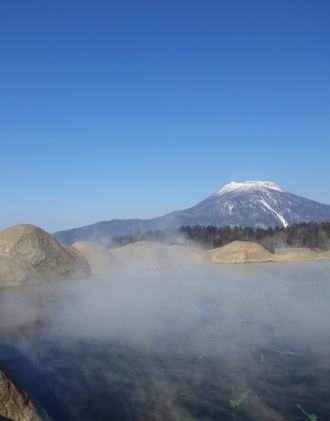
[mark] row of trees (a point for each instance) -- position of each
(313, 235)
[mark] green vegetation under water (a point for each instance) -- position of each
(170, 384)
(240, 400)
(287, 351)
(312, 417)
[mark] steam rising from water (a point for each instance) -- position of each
(175, 344)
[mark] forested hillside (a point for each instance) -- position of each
(313, 235)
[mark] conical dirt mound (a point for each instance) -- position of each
(34, 247)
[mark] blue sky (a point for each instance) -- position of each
(133, 109)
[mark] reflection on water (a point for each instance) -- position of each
(175, 344)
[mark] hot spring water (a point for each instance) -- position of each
(220, 342)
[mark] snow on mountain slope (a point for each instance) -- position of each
(280, 217)
(248, 185)
(258, 204)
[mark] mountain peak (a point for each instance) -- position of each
(257, 204)
(248, 185)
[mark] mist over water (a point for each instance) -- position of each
(175, 344)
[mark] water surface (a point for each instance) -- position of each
(175, 344)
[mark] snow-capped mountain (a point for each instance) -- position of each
(258, 204)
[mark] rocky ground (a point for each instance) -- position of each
(29, 255)
(16, 404)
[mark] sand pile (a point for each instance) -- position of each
(294, 254)
(143, 254)
(188, 255)
(15, 272)
(99, 258)
(325, 255)
(30, 255)
(240, 252)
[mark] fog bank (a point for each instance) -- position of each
(175, 344)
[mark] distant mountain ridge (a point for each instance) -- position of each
(258, 204)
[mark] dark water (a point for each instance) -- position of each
(175, 345)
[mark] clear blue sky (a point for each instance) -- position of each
(136, 108)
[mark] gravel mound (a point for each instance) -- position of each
(294, 254)
(143, 254)
(187, 254)
(241, 252)
(30, 246)
(99, 258)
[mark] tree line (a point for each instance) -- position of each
(312, 235)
